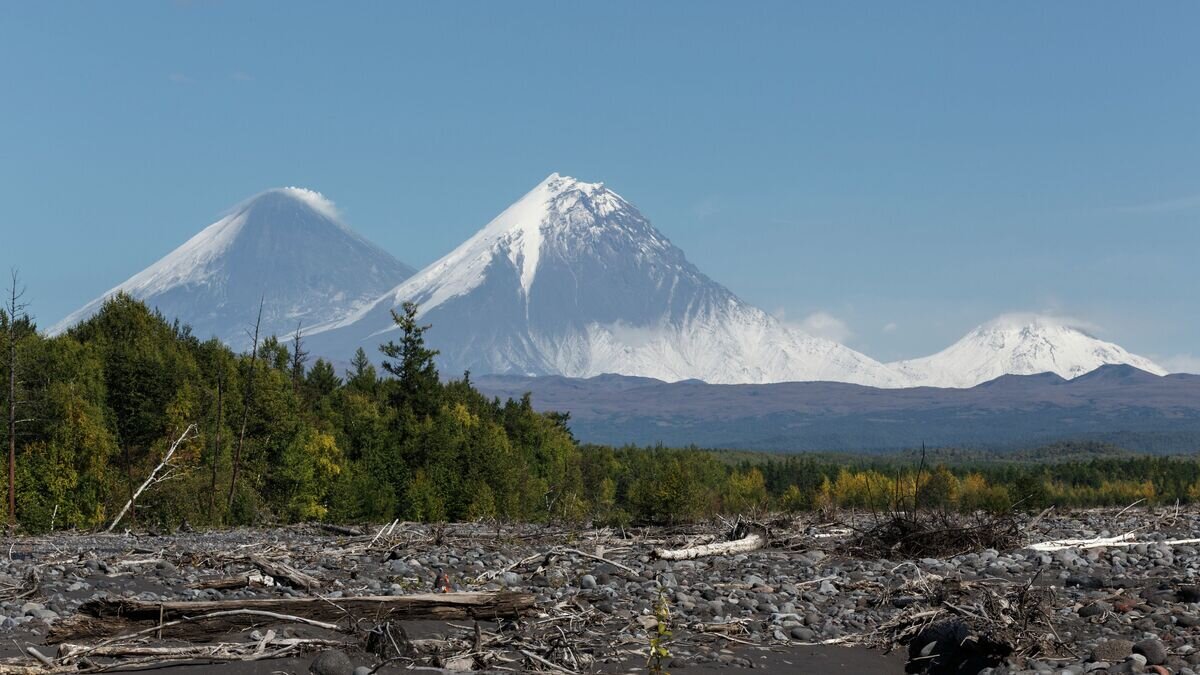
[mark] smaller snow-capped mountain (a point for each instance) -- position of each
(1018, 344)
(573, 280)
(285, 246)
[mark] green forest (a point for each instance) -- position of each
(280, 438)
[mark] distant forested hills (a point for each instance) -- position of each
(1118, 404)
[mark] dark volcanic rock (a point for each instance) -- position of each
(1154, 651)
(331, 662)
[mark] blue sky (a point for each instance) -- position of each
(903, 171)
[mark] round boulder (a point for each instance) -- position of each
(331, 662)
(1154, 651)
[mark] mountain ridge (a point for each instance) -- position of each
(569, 279)
(572, 279)
(1019, 344)
(1147, 412)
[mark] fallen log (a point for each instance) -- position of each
(105, 617)
(235, 581)
(341, 529)
(68, 651)
(287, 573)
(1121, 540)
(750, 542)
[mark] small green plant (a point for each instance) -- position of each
(660, 635)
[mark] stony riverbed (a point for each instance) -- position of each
(1126, 607)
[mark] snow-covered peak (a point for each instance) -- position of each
(572, 279)
(557, 202)
(1028, 321)
(313, 199)
(285, 245)
(1020, 344)
(560, 211)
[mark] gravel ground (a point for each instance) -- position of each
(808, 609)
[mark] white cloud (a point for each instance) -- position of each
(631, 335)
(821, 324)
(319, 202)
(890, 327)
(1181, 363)
(242, 76)
(1021, 319)
(180, 78)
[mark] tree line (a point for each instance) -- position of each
(279, 439)
(93, 411)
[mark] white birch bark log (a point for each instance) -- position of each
(750, 542)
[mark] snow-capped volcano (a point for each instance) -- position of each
(286, 246)
(573, 280)
(1018, 344)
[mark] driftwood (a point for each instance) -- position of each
(1106, 542)
(750, 542)
(110, 616)
(547, 556)
(235, 581)
(341, 529)
(285, 572)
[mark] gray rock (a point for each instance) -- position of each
(331, 662)
(813, 557)
(1154, 651)
(555, 578)
(587, 582)
(803, 634)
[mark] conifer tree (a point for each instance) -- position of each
(417, 386)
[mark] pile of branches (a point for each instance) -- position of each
(552, 644)
(933, 533)
(956, 626)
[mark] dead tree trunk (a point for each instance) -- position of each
(237, 455)
(111, 616)
(299, 359)
(154, 477)
(284, 572)
(14, 306)
(750, 542)
(216, 456)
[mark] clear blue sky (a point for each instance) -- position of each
(910, 169)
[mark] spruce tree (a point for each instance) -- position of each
(416, 387)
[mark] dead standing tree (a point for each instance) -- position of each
(216, 453)
(299, 360)
(237, 455)
(13, 307)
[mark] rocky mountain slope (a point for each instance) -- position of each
(573, 280)
(285, 246)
